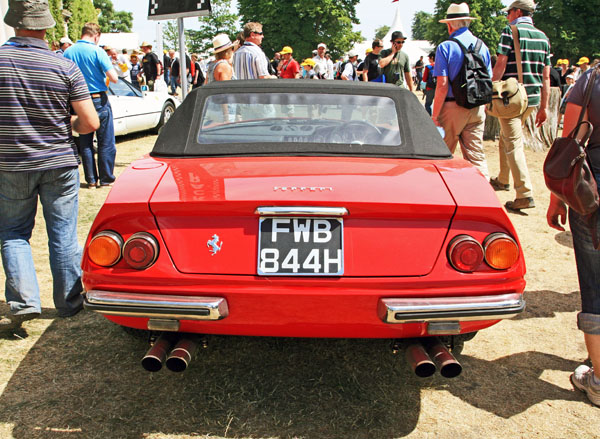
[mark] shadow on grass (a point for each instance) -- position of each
(83, 376)
(544, 303)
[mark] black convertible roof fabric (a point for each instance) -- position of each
(420, 138)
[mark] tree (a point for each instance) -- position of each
(57, 32)
(303, 25)
(381, 32)
(111, 21)
(83, 11)
(421, 21)
(563, 22)
(220, 21)
(487, 27)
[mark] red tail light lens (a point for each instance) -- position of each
(140, 250)
(465, 253)
(501, 251)
(105, 248)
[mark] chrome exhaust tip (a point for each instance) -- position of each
(155, 357)
(419, 360)
(181, 355)
(446, 362)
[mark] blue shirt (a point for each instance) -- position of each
(449, 56)
(93, 63)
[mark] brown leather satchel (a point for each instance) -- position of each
(566, 169)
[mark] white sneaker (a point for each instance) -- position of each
(583, 379)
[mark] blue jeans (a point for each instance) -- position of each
(587, 259)
(107, 150)
(58, 191)
(173, 83)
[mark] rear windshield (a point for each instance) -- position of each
(307, 118)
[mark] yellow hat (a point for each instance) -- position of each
(369, 50)
(286, 49)
(146, 44)
(308, 62)
(583, 60)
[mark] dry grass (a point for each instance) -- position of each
(81, 378)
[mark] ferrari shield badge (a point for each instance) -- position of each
(214, 245)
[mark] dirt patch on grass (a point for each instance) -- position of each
(81, 377)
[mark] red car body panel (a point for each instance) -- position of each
(402, 216)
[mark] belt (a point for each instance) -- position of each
(449, 100)
(97, 95)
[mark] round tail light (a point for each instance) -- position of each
(105, 248)
(501, 251)
(140, 250)
(465, 253)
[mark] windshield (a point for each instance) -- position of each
(306, 118)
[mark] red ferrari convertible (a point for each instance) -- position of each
(303, 209)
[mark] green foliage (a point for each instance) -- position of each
(57, 32)
(83, 12)
(571, 27)
(488, 26)
(421, 21)
(381, 32)
(111, 21)
(220, 21)
(170, 35)
(303, 25)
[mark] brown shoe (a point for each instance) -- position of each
(14, 321)
(499, 186)
(520, 203)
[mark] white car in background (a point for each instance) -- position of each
(134, 110)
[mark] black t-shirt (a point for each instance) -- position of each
(167, 61)
(554, 78)
(175, 65)
(372, 66)
(150, 66)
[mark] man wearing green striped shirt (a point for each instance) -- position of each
(535, 59)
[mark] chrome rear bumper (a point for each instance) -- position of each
(156, 305)
(435, 309)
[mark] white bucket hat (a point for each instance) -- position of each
(221, 42)
(457, 12)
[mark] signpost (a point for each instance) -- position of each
(179, 9)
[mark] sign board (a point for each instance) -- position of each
(170, 9)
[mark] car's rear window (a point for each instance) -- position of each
(307, 118)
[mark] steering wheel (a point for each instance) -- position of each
(356, 132)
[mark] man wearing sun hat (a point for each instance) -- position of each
(395, 64)
(321, 62)
(535, 60)
(461, 125)
(151, 66)
(289, 67)
(39, 162)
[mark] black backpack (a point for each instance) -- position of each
(472, 86)
(340, 70)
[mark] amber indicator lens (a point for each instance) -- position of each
(501, 251)
(465, 253)
(105, 248)
(140, 250)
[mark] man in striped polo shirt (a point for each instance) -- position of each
(38, 159)
(535, 57)
(249, 61)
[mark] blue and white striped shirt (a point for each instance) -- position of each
(36, 89)
(250, 62)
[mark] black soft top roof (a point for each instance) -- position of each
(420, 138)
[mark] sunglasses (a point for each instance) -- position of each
(259, 33)
(399, 42)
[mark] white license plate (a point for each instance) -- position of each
(300, 246)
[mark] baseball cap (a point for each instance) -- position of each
(322, 45)
(352, 53)
(286, 49)
(308, 62)
(65, 40)
(583, 60)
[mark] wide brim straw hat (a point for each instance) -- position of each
(29, 14)
(221, 42)
(457, 12)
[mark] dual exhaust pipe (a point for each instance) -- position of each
(171, 349)
(427, 355)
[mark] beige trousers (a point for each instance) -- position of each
(512, 154)
(465, 126)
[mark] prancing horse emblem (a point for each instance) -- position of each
(213, 244)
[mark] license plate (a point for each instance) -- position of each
(300, 246)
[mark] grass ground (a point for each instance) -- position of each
(81, 378)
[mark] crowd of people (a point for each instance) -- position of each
(44, 165)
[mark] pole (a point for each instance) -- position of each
(182, 61)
